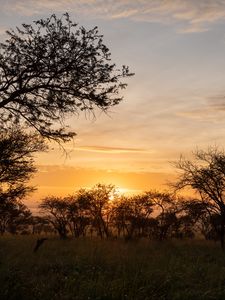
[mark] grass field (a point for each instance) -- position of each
(92, 269)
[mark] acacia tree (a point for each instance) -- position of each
(16, 168)
(15, 217)
(77, 215)
(131, 215)
(166, 208)
(17, 162)
(53, 69)
(41, 225)
(197, 216)
(55, 210)
(206, 175)
(96, 201)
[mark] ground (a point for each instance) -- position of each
(93, 269)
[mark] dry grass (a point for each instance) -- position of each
(92, 269)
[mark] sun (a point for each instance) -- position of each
(119, 191)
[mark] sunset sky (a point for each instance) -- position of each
(174, 103)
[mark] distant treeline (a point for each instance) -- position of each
(103, 212)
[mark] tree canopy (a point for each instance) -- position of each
(17, 162)
(205, 174)
(54, 69)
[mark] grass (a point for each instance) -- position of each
(93, 269)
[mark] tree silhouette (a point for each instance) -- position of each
(131, 215)
(86, 208)
(15, 217)
(16, 162)
(52, 70)
(206, 175)
(97, 204)
(78, 215)
(166, 208)
(155, 215)
(56, 212)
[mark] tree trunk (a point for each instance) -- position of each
(222, 231)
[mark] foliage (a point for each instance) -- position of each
(206, 175)
(97, 201)
(155, 215)
(15, 217)
(131, 215)
(54, 69)
(56, 209)
(101, 211)
(16, 167)
(74, 213)
(41, 225)
(17, 162)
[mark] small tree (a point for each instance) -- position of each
(41, 225)
(78, 216)
(15, 217)
(206, 175)
(195, 217)
(166, 209)
(97, 204)
(131, 215)
(53, 69)
(55, 210)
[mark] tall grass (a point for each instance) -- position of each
(93, 269)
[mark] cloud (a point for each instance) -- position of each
(192, 15)
(113, 150)
(217, 103)
(211, 108)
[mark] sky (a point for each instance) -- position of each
(173, 105)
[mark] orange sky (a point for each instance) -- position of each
(58, 179)
(64, 180)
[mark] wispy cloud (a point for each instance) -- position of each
(210, 108)
(194, 16)
(217, 103)
(113, 150)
